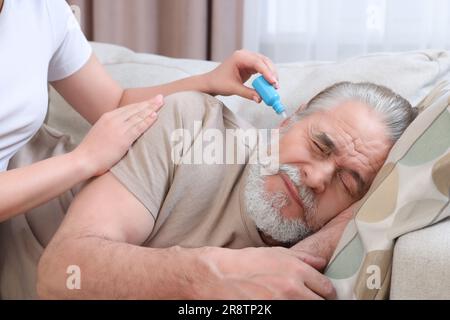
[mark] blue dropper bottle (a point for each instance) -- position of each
(269, 95)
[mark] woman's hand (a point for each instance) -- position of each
(114, 133)
(228, 78)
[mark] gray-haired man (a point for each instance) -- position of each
(155, 229)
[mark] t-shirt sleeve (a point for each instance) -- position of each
(149, 168)
(71, 50)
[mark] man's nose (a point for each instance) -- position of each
(319, 175)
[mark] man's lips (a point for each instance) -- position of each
(292, 190)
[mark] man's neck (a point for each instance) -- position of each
(270, 241)
(1, 5)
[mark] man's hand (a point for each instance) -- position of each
(261, 273)
(228, 78)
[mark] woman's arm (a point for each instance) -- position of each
(105, 144)
(227, 79)
(91, 90)
(25, 188)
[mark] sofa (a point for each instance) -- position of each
(421, 258)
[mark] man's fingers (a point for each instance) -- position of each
(317, 263)
(314, 261)
(314, 280)
(308, 294)
(319, 283)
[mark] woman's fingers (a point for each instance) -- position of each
(263, 65)
(112, 135)
(141, 126)
(260, 67)
(248, 93)
(259, 64)
(127, 112)
(148, 111)
(140, 121)
(272, 69)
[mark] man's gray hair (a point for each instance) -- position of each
(396, 111)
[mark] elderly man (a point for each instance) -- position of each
(157, 228)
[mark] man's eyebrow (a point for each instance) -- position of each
(328, 142)
(359, 180)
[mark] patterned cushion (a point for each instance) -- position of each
(410, 192)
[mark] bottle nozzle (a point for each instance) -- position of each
(284, 115)
(279, 109)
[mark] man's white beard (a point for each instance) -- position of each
(265, 208)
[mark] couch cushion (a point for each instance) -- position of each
(411, 74)
(421, 261)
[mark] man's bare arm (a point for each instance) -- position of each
(101, 235)
(324, 242)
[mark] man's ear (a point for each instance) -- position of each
(286, 121)
(301, 109)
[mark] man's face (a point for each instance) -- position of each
(327, 162)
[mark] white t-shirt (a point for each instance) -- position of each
(40, 41)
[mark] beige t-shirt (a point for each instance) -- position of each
(194, 205)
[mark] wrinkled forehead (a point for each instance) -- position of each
(358, 120)
(356, 132)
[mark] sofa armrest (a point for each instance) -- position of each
(421, 264)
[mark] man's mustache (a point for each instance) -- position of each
(305, 193)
